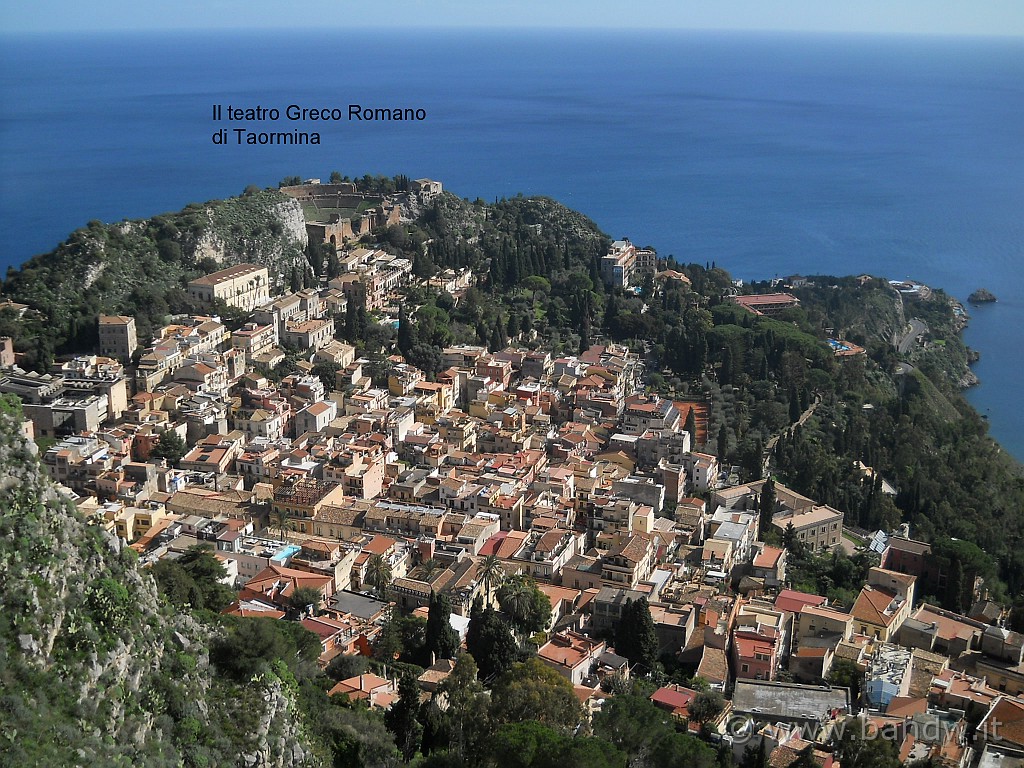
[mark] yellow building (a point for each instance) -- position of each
(243, 285)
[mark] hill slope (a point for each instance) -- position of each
(94, 669)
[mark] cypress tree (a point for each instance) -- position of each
(766, 506)
(442, 640)
(723, 442)
(402, 719)
(406, 332)
(635, 636)
(691, 425)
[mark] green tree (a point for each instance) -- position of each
(636, 637)
(402, 718)
(402, 638)
(379, 575)
(856, 750)
(195, 580)
(792, 544)
(1016, 619)
(325, 370)
(170, 446)
(343, 666)
(633, 724)
(333, 264)
(387, 646)
(845, 674)
(303, 597)
(691, 425)
(442, 639)
(406, 331)
(723, 443)
(428, 569)
(526, 606)
(251, 645)
(490, 640)
(282, 518)
(533, 691)
(766, 506)
(755, 756)
(525, 744)
(706, 706)
(468, 723)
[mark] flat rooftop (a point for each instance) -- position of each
(789, 700)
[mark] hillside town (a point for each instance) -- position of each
(370, 488)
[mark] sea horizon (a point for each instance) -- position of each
(770, 153)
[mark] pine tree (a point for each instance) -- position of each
(333, 265)
(611, 314)
(170, 446)
(725, 373)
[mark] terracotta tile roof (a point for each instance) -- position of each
(359, 687)
(378, 545)
(793, 601)
(872, 606)
(714, 666)
(570, 649)
(768, 557)
(674, 698)
(1005, 721)
(906, 706)
(948, 627)
(633, 549)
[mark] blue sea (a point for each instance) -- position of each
(770, 154)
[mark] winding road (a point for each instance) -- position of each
(906, 341)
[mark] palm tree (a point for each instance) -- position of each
(428, 568)
(282, 519)
(378, 573)
(492, 574)
(516, 598)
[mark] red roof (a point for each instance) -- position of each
(794, 602)
(490, 546)
(673, 697)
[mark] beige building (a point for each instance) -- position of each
(254, 339)
(117, 336)
(819, 527)
(243, 285)
(302, 498)
(879, 613)
(6, 352)
(818, 620)
(309, 334)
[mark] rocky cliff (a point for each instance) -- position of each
(267, 228)
(94, 668)
(142, 267)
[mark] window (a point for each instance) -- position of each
(745, 668)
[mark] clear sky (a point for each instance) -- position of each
(966, 17)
